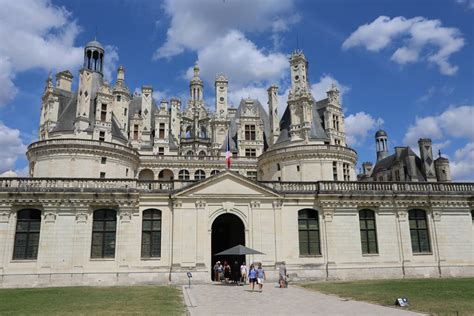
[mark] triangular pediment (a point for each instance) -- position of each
(226, 184)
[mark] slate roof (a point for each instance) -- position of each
(388, 162)
(233, 125)
(317, 131)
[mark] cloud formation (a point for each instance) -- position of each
(417, 39)
(358, 127)
(35, 34)
(12, 147)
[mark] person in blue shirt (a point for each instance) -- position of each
(252, 276)
(260, 276)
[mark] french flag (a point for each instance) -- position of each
(228, 154)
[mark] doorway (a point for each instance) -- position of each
(227, 231)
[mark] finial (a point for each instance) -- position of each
(196, 70)
(439, 152)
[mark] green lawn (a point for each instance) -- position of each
(433, 296)
(131, 300)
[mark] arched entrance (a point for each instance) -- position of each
(227, 231)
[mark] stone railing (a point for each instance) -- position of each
(313, 148)
(321, 187)
(154, 158)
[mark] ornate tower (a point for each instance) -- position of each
(300, 100)
(121, 101)
(195, 89)
(427, 161)
(147, 103)
(334, 118)
(273, 114)
(221, 84)
(90, 79)
(381, 144)
(175, 118)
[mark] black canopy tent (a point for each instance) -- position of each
(238, 251)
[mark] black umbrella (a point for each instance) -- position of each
(239, 250)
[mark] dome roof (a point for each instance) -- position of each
(9, 174)
(381, 132)
(95, 44)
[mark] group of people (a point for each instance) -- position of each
(255, 274)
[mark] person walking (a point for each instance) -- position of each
(216, 273)
(227, 272)
(252, 276)
(260, 276)
(282, 275)
(220, 272)
(243, 273)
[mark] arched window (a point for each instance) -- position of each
(199, 175)
(151, 234)
(368, 232)
(202, 154)
(165, 174)
(203, 132)
(27, 235)
(308, 232)
(420, 240)
(146, 175)
(103, 234)
(189, 131)
(214, 172)
(189, 153)
(183, 174)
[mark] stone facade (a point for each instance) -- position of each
(125, 191)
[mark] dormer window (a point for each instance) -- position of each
(250, 132)
(103, 112)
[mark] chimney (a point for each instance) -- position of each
(64, 80)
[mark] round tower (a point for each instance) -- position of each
(381, 144)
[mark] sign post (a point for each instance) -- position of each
(189, 274)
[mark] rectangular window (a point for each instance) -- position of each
(162, 131)
(102, 136)
(420, 240)
(335, 122)
(250, 152)
(345, 171)
(103, 112)
(161, 151)
(135, 132)
(252, 175)
(102, 175)
(103, 160)
(126, 172)
(151, 234)
(125, 112)
(308, 232)
(397, 175)
(250, 132)
(27, 235)
(298, 168)
(103, 234)
(119, 98)
(368, 232)
(334, 170)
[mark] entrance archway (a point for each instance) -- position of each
(227, 231)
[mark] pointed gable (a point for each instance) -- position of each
(227, 184)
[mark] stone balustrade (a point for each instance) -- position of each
(321, 187)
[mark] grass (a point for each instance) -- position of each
(131, 300)
(434, 296)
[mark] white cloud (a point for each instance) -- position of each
(320, 88)
(110, 62)
(240, 60)
(35, 34)
(454, 122)
(420, 39)
(12, 147)
(195, 24)
(462, 166)
(358, 127)
(468, 3)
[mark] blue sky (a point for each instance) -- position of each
(403, 65)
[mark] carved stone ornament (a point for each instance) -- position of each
(49, 217)
(125, 216)
(277, 203)
(4, 217)
(255, 204)
(402, 215)
(81, 217)
(437, 215)
(200, 204)
(227, 206)
(328, 216)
